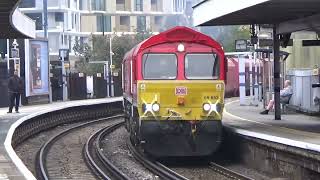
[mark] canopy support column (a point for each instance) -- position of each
(276, 75)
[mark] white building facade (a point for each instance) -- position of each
(72, 19)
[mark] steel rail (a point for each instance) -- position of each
(91, 163)
(93, 148)
(228, 172)
(41, 158)
(154, 166)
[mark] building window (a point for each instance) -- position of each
(27, 4)
(155, 5)
(158, 20)
(138, 5)
(69, 42)
(80, 5)
(38, 18)
(141, 23)
(59, 16)
(179, 5)
(124, 20)
(98, 5)
(120, 1)
(120, 5)
(104, 23)
(81, 41)
(73, 20)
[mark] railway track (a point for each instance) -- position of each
(101, 166)
(154, 166)
(50, 169)
(98, 164)
(228, 172)
(105, 169)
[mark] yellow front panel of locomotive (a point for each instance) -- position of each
(180, 100)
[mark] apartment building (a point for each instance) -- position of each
(63, 22)
(128, 16)
(69, 20)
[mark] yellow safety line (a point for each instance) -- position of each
(294, 131)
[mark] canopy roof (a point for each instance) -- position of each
(240, 12)
(20, 27)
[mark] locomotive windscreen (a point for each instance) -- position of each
(159, 66)
(202, 66)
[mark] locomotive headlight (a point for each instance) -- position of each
(155, 107)
(206, 107)
(211, 107)
(180, 47)
(214, 107)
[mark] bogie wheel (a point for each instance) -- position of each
(134, 131)
(127, 123)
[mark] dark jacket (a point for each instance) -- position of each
(15, 84)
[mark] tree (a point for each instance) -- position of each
(99, 50)
(226, 35)
(124, 43)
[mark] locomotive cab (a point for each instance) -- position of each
(177, 94)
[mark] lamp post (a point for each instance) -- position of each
(111, 67)
(63, 54)
(45, 18)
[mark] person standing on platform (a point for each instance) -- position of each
(15, 88)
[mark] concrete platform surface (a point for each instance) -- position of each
(11, 166)
(294, 129)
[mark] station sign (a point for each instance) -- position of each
(17, 66)
(14, 52)
(315, 72)
(241, 45)
(66, 65)
(98, 74)
(112, 66)
(115, 74)
(265, 42)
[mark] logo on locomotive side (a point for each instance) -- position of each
(181, 91)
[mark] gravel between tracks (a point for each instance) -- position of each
(27, 151)
(205, 173)
(116, 150)
(64, 160)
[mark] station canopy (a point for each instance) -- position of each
(7, 29)
(288, 15)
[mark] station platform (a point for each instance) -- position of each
(294, 129)
(8, 168)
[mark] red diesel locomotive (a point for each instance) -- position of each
(174, 86)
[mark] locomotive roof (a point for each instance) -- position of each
(176, 34)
